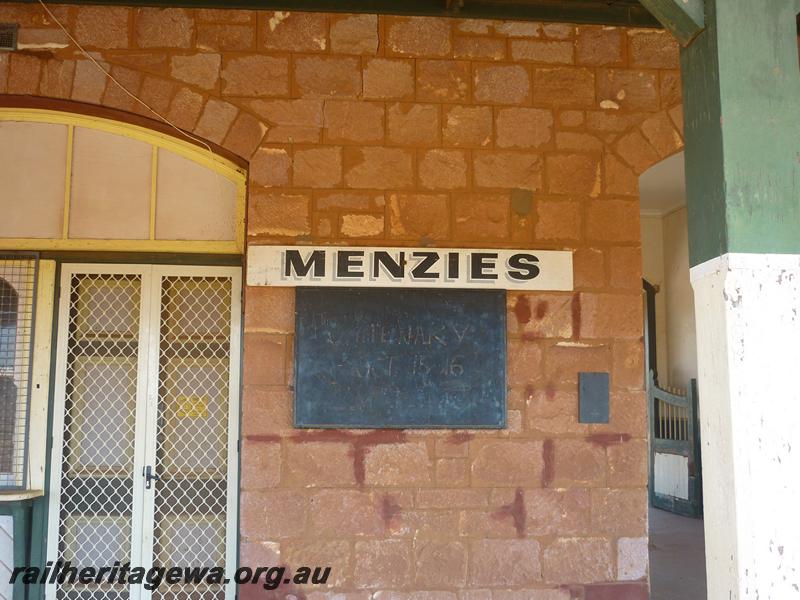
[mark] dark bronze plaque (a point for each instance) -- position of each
(593, 397)
(388, 358)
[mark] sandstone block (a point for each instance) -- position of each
(319, 167)
(261, 465)
(270, 167)
(578, 463)
(558, 220)
(506, 84)
(542, 51)
(443, 80)
(557, 512)
(319, 464)
(443, 169)
(353, 121)
(398, 464)
(578, 174)
(468, 126)
(440, 564)
(481, 216)
(628, 88)
(418, 36)
(276, 214)
(294, 31)
(507, 563)
(505, 463)
(344, 513)
(164, 28)
(632, 558)
(382, 564)
(521, 170)
(413, 124)
(653, 49)
(524, 127)
(378, 168)
(613, 221)
(599, 46)
(388, 78)
(201, 70)
(255, 76)
(327, 76)
(479, 48)
(354, 34)
(579, 560)
(564, 87)
(418, 216)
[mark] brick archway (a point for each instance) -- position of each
(35, 77)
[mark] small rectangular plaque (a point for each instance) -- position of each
(593, 392)
(385, 358)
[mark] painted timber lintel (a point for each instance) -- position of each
(624, 13)
(684, 19)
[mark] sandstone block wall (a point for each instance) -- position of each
(370, 130)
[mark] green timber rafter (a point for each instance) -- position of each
(600, 12)
(685, 19)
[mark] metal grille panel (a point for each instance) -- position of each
(97, 475)
(672, 422)
(192, 429)
(144, 374)
(17, 298)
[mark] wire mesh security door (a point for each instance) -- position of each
(17, 298)
(146, 404)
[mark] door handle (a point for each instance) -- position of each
(149, 477)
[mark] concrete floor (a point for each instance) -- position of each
(677, 557)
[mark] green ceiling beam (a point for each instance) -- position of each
(599, 12)
(685, 19)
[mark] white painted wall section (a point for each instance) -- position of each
(671, 475)
(748, 329)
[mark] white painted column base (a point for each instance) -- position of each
(748, 348)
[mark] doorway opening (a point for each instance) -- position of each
(677, 548)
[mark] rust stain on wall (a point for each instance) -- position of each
(459, 437)
(522, 310)
(360, 443)
(608, 439)
(576, 316)
(515, 510)
(549, 460)
(268, 439)
(389, 511)
(541, 309)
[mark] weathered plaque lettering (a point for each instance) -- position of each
(388, 358)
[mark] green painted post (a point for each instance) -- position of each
(741, 94)
(37, 557)
(21, 513)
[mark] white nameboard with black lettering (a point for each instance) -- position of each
(348, 266)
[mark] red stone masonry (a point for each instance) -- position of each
(372, 130)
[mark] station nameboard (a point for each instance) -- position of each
(380, 358)
(468, 268)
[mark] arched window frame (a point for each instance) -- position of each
(157, 140)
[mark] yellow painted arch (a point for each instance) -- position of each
(157, 140)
